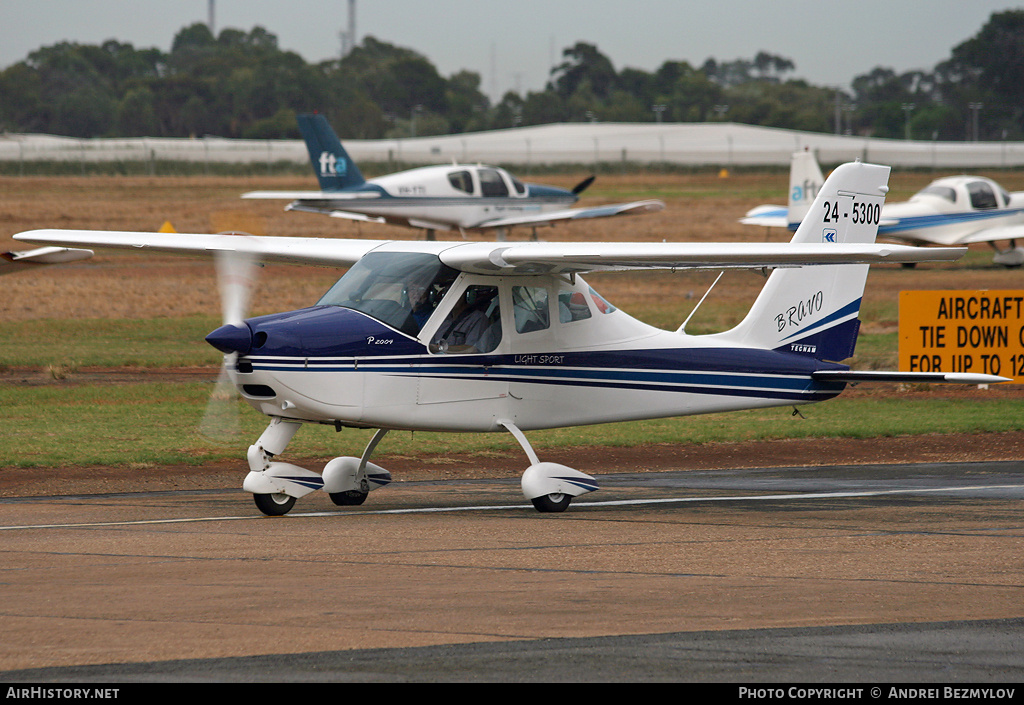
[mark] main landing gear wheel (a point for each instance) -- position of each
(348, 498)
(552, 503)
(274, 505)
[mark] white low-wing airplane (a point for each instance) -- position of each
(951, 211)
(451, 197)
(485, 337)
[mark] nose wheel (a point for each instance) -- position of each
(274, 505)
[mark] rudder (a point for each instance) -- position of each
(813, 310)
(332, 165)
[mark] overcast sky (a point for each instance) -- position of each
(513, 44)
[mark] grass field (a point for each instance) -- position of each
(128, 312)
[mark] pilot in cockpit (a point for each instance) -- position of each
(474, 324)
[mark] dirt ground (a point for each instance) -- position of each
(699, 207)
(818, 452)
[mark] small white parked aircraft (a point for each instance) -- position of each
(451, 197)
(18, 261)
(951, 211)
(486, 337)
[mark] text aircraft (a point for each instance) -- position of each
(487, 337)
(453, 197)
(25, 259)
(952, 211)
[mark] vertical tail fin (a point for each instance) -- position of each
(813, 310)
(334, 169)
(805, 180)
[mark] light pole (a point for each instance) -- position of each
(907, 109)
(415, 111)
(975, 109)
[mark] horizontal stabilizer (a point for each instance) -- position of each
(906, 377)
(312, 195)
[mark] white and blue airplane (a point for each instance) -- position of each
(507, 337)
(450, 197)
(951, 211)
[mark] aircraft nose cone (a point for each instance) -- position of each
(231, 339)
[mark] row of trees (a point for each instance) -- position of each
(241, 84)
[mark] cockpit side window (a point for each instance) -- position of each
(401, 289)
(982, 196)
(530, 308)
(491, 183)
(461, 180)
(473, 325)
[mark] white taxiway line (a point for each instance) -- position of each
(576, 507)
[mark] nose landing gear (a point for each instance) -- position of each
(275, 485)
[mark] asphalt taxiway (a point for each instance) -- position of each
(850, 573)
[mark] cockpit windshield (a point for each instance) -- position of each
(400, 289)
(941, 191)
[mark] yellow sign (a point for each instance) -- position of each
(962, 331)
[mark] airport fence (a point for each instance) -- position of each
(601, 146)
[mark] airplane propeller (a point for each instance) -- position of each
(236, 277)
(583, 185)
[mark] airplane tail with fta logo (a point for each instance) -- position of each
(332, 165)
(805, 181)
(813, 310)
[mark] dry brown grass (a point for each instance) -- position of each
(700, 207)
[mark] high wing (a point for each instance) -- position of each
(288, 250)
(635, 208)
(503, 259)
(534, 258)
(16, 261)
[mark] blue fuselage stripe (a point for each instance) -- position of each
(941, 219)
(785, 381)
